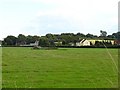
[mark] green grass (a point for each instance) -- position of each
(0, 67)
(62, 68)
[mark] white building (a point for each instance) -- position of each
(83, 42)
(34, 44)
(93, 41)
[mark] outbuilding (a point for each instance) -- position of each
(83, 42)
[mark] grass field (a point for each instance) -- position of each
(62, 68)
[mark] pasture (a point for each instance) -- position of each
(61, 68)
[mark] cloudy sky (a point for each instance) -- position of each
(39, 17)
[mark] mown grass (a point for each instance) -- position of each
(61, 68)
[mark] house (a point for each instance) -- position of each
(93, 41)
(34, 44)
(71, 44)
(58, 43)
(83, 42)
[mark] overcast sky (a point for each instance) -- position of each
(39, 17)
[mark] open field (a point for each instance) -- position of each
(62, 68)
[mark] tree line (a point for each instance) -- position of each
(63, 39)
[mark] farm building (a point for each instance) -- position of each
(71, 44)
(58, 43)
(83, 42)
(93, 41)
(36, 43)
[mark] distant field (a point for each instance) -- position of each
(62, 68)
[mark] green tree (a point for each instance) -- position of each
(21, 39)
(103, 33)
(10, 40)
(30, 39)
(90, 35)
(43, 41)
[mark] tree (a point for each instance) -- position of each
(49, 36)
(80, 35)
(21, 39)
(116, 35)
(89, 36)
(10, 40)
(103, 33)
(51, 42)
(111, 37)
(29, 39)
(35, 38)
(44, 41)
